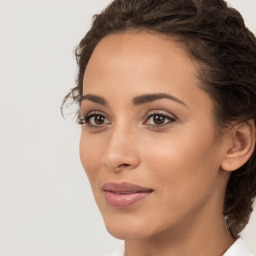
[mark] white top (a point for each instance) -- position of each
(238, 248)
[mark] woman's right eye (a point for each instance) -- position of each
(94, 120)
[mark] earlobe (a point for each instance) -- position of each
(242, 146)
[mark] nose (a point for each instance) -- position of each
(120, 152)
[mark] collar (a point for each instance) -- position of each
(238, 248)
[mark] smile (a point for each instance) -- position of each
(122, 195)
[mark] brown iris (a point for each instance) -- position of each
(99, 120)
(158, 119)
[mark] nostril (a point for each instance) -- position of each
(123, 165)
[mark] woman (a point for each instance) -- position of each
(167, 96)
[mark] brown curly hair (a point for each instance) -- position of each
(216, 37)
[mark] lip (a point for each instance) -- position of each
(124, 194)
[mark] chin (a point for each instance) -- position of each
(128, 228)
(131, 227)
(124, 233)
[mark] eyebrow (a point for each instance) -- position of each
(139, 100)
(146, 98)
(94, 98)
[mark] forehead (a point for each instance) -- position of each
(140, 43)
(125, 65)
(134, 54)
(139, 48)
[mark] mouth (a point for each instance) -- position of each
(122, 195)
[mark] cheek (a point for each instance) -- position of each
(90, 152)
(183, 162)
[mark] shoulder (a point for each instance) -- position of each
(118, 252)
(238, 248)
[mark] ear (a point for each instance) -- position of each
(242, 141)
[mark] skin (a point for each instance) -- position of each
(181, 161)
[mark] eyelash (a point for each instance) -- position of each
(171, 119)
(86, 120)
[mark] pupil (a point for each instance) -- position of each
(99, 119)
(158, 119)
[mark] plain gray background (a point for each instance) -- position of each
(46, 205)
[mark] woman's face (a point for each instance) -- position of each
(148, 123)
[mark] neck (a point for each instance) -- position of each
(209, 238)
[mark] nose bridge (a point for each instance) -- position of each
(120, 150)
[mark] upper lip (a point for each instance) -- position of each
(124, 187)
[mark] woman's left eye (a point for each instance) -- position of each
(158, 119)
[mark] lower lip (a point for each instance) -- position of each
(124, 200)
